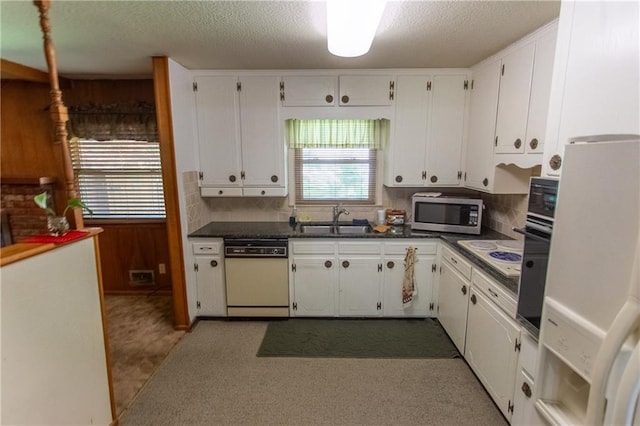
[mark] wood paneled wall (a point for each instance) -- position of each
(26, 143)
(135, 246)
(27, 134)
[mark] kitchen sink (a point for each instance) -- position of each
(332, 230)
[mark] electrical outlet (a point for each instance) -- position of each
(161, 268)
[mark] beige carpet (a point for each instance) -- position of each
(214, 377)
(141, 334)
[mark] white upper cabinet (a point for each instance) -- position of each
(366, 90)
(218, 125)
(240, 145)
(446, 129)
(309, 90)
(523, 104)
(428, 130)
(595, 87)
(513, 102)
(540, 92)
(482, 125)
(508, 115)
(263, 150)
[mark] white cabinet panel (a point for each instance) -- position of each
(446, 130)
(392, 286)
(513, 102)
(453, 298)
(540, 92)
(311, 90)
(366, 90)
(491, 349)
(314, 286)
(239, 135)
(426, 145)
(482, 126)
(409, 142)
(263, 149)
(217, 114)
(208, 262)
(595, 87)
(360, 278)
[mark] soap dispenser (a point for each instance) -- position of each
(293, 216)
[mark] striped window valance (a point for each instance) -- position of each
(135, 120)
(370, 134)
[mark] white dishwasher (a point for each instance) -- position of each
(257, 277)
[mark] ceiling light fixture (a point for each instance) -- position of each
(351, 25)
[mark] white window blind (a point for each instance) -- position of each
(326, 175)
(119, 178)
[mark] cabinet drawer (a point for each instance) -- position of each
(458, 263)
(206, 248)
(313, 247)
(220, 192)
(495, 292)
(359, 247)
(265, 192)
(400, 248)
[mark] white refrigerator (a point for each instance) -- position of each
(589, 359)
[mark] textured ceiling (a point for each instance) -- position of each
(102, 38)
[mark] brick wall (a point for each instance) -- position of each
(25, 217)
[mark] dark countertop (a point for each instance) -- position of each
(283, 230)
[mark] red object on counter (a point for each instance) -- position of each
(44, 239)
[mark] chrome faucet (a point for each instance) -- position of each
(337, 211)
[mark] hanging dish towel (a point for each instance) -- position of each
(409, 288)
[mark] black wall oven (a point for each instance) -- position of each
(537, 241)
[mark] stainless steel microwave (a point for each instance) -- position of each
(446, 214)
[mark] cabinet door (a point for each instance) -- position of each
(595, 87)
(453, 297)
(409, 143)
(312, 90)
(210, 286)
(359, 282)
(218, 130)
(392, 286)
(491, 349)
(482, 126)
(446, 130)
(314, 286)
(513, 102)
(524, 409)
(366, 90)
(263, 148)
(540, 91)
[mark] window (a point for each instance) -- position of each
(119, 178)
(326, 175)
(335, 160)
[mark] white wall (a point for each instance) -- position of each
(54, 366)
(182, 112)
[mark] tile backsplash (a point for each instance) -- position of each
(503, 211)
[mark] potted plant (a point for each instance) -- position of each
(58, 225)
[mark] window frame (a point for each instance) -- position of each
(376, 195)
(158, 214)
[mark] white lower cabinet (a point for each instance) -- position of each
(453, 298)
(359, 284)
(491, 349)
(314, 284)
(358, 277)
(393, 279)
(524, 410)
(210, 283)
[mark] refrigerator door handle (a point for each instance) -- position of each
(526, 233)
(628, 392)
(625, 322)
